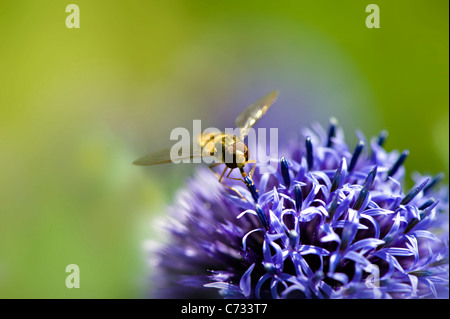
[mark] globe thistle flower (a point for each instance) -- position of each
(331, 222)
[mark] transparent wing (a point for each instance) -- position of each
(253, 113)
(163, 157)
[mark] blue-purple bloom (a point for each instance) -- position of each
(331, 222)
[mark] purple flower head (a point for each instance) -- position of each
(331, 222)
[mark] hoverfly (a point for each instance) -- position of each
(226, 148)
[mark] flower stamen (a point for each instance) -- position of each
(434, 181)
(309, 153)
(414, 191)
(382, 138)
(285, 172)
(365, 190)
(331, 131)
(262, 216)
(298, 197)
(397, 164)
(252, 188)
(358, 149)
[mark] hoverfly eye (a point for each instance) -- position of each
(241, 148)
(241, 152)
(230, 154)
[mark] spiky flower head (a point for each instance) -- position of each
(331, 222)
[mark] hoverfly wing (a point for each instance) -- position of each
(253, 113)
(163, 157)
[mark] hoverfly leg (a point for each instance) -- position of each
(236, 179)
(212, 169)
(235, 190)
(214, 165)
(250, 174)
(221, 176)
(223, 173)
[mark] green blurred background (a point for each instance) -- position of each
(79, 105)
